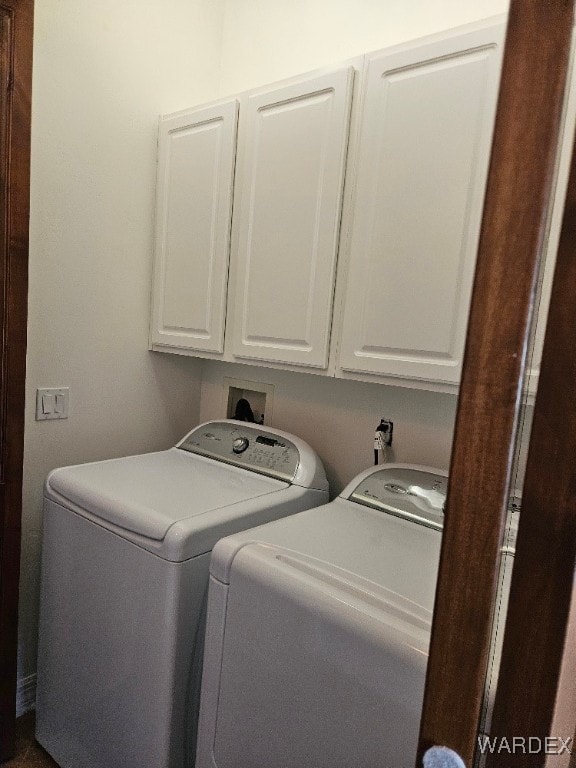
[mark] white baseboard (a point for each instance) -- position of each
(25, 694)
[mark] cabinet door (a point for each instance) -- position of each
(293, 142)
(197, 152)
(422, 164)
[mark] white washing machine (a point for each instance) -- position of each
(318, 630)
(126, 550)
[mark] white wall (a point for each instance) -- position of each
(267, 40)
(102, 74)
(338, 418)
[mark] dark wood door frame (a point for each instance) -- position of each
(513, 232)
(16, 18)
(543, 576)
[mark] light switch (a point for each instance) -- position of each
(47, 404)
(52, 403)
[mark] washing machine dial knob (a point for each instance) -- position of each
(240, 444)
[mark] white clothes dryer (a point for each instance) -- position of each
(318, 630)
(126, 550)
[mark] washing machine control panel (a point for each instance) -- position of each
(251, 447)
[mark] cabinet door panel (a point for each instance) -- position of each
(422, 166)
(294, 142)
(194, 206)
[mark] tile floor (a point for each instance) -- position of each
(29, 754)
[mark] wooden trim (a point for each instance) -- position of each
(17, 16)
(545, 562)
(513, 229)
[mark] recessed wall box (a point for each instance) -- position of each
(260, 397)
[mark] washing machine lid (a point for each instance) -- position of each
(147, 494)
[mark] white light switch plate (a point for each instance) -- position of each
(52, 403)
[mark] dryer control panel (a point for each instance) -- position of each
(250, 447)
(414, 493)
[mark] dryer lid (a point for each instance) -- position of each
(381, 548)
(147, 494)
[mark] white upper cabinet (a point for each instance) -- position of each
(197, 152)
(422, 161)
(292, 149)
